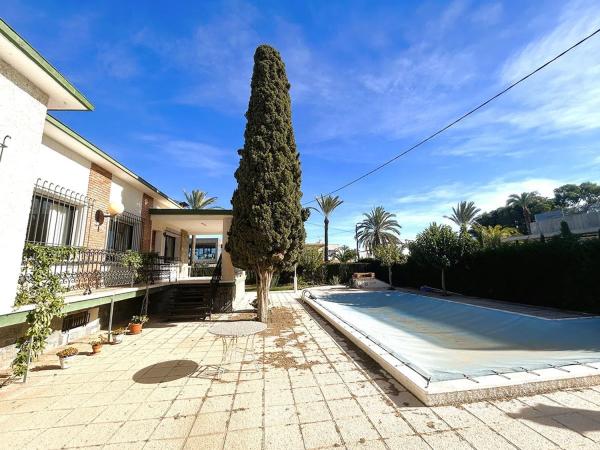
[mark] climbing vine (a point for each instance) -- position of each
(41, 287)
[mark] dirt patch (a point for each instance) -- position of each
(281, 325)
(282, 319)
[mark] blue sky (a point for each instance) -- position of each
(369, 79)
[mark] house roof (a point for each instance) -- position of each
(17, 52)
(61, 133)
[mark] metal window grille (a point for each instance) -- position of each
(58, 215)
(124, 232)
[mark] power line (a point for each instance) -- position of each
(464, 116)
(331, 228)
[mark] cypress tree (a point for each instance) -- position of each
(267, 230)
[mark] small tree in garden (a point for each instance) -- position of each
(440, 247)
(389, 255)
(311, 263)
(267, 230)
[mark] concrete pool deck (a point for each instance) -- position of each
(149, 392)
(470, 388)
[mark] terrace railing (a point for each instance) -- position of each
(89, 269)
(200, 270)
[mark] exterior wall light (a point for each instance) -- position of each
(114, 209)
(3, 145)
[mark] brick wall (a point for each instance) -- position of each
(99, 190)
(147, 203)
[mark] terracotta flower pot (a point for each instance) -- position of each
(135, 328)
(96, 348)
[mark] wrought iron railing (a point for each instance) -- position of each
(200, 270)
(89, 269)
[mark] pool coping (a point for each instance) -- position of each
(472, 389)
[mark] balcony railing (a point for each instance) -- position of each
(200, 270)
(89, 269)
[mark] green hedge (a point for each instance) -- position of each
(561, 273)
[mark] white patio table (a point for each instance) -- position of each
(230, 333)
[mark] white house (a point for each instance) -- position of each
(58, 189)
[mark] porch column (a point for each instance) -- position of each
(184, 247)
(193, 253)
(227, 271)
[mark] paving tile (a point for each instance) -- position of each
(376, 404)
(423, 420)
(355, 429)
(249, 439)
(214, 404)
(186, 407)
(312, 412)
(457, 417)
(407, 443)
(167, 444)
(307, 395)
(487, 412)
(248, 400)
(152, 410)
(52, 438)
(320, 434)
(391, 425)
(211, 441)
(522, 436)
(283, 437)
(446, 440)
(283, 397)
(336, 391)
(17, 439)
(117, 413)
(94, 434)
(82, 415)
(245, 418)
(135, 430)
(173, 427)
(485, 438)
(346, 407)
(209, 423)
(281, 415)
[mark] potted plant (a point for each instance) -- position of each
(135, 326)
(97, 345)
(117, 335)
(65, 356)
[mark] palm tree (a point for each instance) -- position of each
(345, 254)
(378, 228)
(464, 214)
(492, 236)
(523, 201)
(327, 203)
(199, 199)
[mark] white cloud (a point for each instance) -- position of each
(212, 161)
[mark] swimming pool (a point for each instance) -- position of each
(447, 340)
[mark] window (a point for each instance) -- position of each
(206, 252)
(124, 232)
(57, 216)
(169, 247)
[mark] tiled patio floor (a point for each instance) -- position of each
(156, 391)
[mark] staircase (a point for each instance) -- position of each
(191, 302)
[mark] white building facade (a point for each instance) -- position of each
(58, 189)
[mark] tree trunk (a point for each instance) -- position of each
(444, 281)
(326, 250)
(390, 276)
(262, 294)
(527, 220)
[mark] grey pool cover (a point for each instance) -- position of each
(445, 340)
